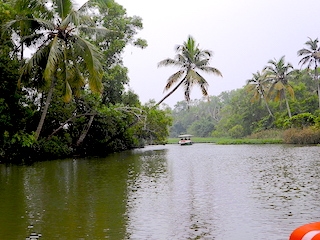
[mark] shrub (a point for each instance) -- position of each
(308, 135)
(236, 132)
(302, 120)
(267, 134)
(54, 148)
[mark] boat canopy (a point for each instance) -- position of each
(185, 135)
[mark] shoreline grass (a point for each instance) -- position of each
(226, 141)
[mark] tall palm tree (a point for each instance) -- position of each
(257, 84)
(64, 53)
(278, 73)
(311, 56)
(190, 59)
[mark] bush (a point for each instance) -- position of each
(302, 120)
(54, 148)
(267, 134)
(308, 135)
(236, 132)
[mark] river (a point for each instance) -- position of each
(202, 191)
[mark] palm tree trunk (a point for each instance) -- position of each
(317, 80)
(85, 131)
(288, 107)
(267, 105)
(63, 124)
(318, 92)
(45, 110)
(170, 92)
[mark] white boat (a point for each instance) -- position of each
(185, 139)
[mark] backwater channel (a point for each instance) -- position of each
(202, 191)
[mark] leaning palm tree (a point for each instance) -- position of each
(278, 73)
(64, 52)
(189, 59)
(257, 84)
(311, 56)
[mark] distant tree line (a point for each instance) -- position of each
(278, 97)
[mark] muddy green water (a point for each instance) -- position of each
(203, 191)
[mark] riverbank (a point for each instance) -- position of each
(225, 141)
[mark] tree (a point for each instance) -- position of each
(311, 56)
(190, 59)
(64, 53)
(122, 32)
(278, 73)
(257, 84)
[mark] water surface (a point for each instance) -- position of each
(203, 191)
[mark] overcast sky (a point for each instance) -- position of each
(243, 35)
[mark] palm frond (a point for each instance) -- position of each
(36, 60)
(71, 17)
(46, 24)
(304, 51)
(55, 54)
(102, 4)
(78, 82)
(92, 59)
(256, 97)
(63, 7)
(305, 60)
(202, 83)
(278, 86)
(212, 70)
(64, 73)
(32, 39)
(313, 44)
(290, 90)
(202, 62)
(168, 62)
(67, 92)
(99, 32)
(173, 79)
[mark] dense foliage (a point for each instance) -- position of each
(257, 107)
(67, 94)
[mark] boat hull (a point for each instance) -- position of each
(185, 142)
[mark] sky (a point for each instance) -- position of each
(243, 35)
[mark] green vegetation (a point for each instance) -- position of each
(225, 141)
(69, 96)
(256, 110)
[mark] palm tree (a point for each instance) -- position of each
(278, 73)
(190, 59)
(311, 56)
(64, 53)
(28, 9)
(258, 84)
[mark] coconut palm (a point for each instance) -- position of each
(278, 73)
(258, 85)
(311, 57)
(189, 59)
(64, 53)
(27, 9)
